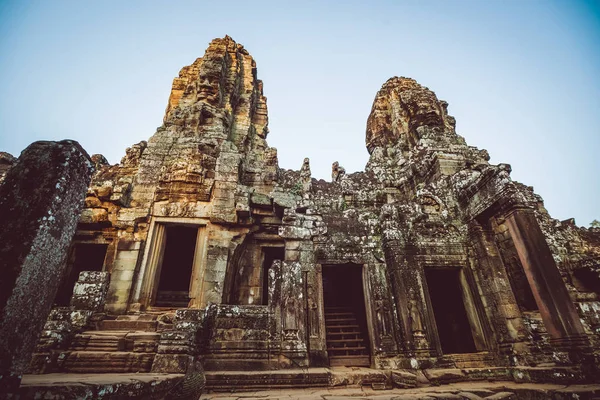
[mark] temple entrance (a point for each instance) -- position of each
(270, 254)
(83, 257)
(176, 268)
(345, 317)
(447, 300)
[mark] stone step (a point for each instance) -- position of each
(141, 342)
(239, 363)
(338, 349)
(346, 344)
(98, 343)
(108, 361)
(340, 321)
(336, 327)
(350, 333)
(229, 381)
(128, 325)
(137, 317)
(467, 360)
(360, 360)
(471, 364)
(337, 341)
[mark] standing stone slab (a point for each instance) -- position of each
(40, 202)
(90, 291)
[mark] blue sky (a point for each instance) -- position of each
(521, 77)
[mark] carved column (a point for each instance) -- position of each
(550, 293)
(315, 318)
(502, 308)
(287, 302)
(379, 307)
(408, 283)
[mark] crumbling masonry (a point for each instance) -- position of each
(431, 258)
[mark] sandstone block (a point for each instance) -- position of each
(90, 291)
(403, 379)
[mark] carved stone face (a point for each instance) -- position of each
(423, 109)
(400, 107)
(208, 86)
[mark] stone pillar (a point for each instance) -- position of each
(407, 281)
(393, 261)
(501, 306)
(287, 301)
(549, 290)
(380, 306)
(40, 202)
(315, 318)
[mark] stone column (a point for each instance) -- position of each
(40, 203)
(380, 307)
(408, 283)
(315, 318)
(286, 299)
(393, 261)
(549, 290)
(501, 306)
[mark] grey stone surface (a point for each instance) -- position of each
(40, 201)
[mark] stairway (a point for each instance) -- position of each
(125, 344)
(347, 343)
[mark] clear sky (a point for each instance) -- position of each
(522, 77)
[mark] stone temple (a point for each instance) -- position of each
(431, 265)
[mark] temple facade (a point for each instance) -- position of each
(199, 246)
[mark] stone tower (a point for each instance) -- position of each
(430, 258)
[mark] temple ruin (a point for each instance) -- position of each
(201, 248)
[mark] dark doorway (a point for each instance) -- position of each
(176, 269)
(445, 292)
(517, 278)
(345, 317)
(270, 254)
(83, 257)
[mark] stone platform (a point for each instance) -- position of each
(328, 384)
(245, 381)
(457, 391)
(98, 386)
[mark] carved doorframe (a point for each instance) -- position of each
(149, 273)
(369, 311)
